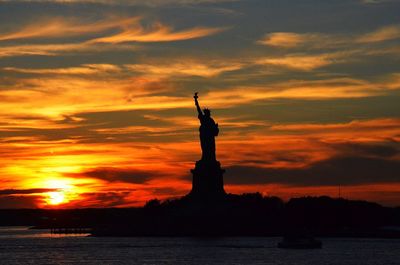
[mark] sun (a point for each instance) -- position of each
(56, 198)
(60, 195)
(61, 192)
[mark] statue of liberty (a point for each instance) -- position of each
(208, 131)
(208, 180)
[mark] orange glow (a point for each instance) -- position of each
(62, 165)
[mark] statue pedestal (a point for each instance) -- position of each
(207, 179)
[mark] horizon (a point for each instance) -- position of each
(97, 102)
(174, 199)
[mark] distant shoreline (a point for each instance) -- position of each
(250, 215)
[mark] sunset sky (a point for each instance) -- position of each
(96, 98)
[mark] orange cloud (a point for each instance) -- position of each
(305, 40)
(292, 40)
(156, 33)
(362, 125)
(85, 69)
(62, 27)
(320, 40)
(188, 68)
(158, 70)
(318, 89)
(383, 34)
(130, 30)
(62, 95)
(365, 131)
(86, 88)
(65, 49)
(304, 62)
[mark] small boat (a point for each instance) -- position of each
(300, 242)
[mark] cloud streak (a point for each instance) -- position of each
(157, 33)
(86, 69)
(62, 49)
(304, 62)
(186, 68)
(293, 40)
(332, 172)
(130, 30)
(383, 34)
(125, 175)
(60, 27)
(316, 40)
(302, 89)
(26, 191)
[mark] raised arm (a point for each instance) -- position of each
(196, 102)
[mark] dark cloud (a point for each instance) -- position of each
(25, 191)
(383, 150)
(334, 171)
(21, 198)
(121, 175)
(119, 119)
(104, 199)
(14, 202)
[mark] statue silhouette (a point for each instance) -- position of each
(208, 131)
(208, 174)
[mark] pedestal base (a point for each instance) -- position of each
(207, 179)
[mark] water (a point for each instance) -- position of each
(18, 245)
